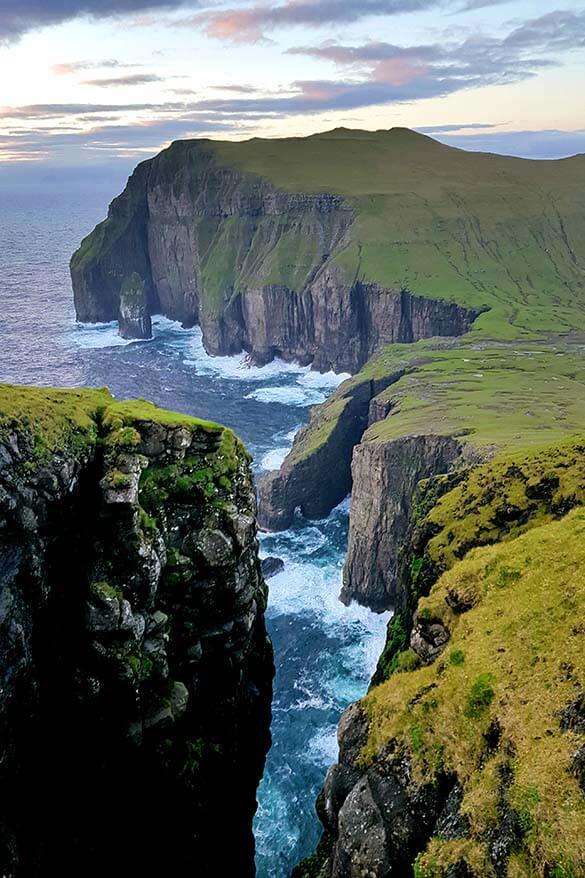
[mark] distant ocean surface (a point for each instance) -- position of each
(325, 653)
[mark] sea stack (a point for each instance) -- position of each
(134, 321)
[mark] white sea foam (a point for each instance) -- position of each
(274, 459)
(288, 395)
(324, 747)
(93, 336)
(235, 367)
(96, 335)
(328, 381)
(309, 587)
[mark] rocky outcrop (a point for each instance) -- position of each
(316, 475)
(377, 819)
(135, 670)
(253, 264)
(385, 478)
(272, 566)
(134, 321)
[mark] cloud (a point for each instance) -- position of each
(367, 74)
(241, 89)
(453, 127)
(76, 143)
(131, 79)
(18, 17)
(68, 67)
(251, 24)
(382, 73)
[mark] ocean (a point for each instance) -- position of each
(325, 653)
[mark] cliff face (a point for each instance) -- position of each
(251, 263)
(465, 760)
(316, 475)
(134, 664)
(385, 477)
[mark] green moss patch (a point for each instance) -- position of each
(503, 498)
(55, 420)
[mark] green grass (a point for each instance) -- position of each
(130, 412)
(524, 662)
(497, 396)
(493, 397)
(501, 499)
(472, 228)
(55, 420)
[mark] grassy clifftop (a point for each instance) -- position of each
(474, 228)
(493, 708)
(480, 230)
(493, 396)
(58, 420)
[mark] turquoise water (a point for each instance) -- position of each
(324, 652)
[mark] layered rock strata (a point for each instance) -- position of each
(252, 264)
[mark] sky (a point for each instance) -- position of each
(92, 83)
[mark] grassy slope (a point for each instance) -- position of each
(61, 420)
(475, 228)
(515, 659)
(497, 395)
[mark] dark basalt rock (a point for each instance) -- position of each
(379, 824)
(385, 478)
(578, 766)
(428, 638)
(134, 321)
(573, 716)
(272, 566)
(135, 669)
(318, 481)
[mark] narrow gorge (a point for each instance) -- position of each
(450, 286)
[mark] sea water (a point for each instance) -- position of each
(324, 652)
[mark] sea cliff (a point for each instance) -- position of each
(135, 667)
(252, 263)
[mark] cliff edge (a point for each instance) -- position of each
(466, 758)
(323, 249)
(135, 669)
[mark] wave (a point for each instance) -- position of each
(94, 336)
(288, 395)
(91, 336)
(324, 748)
(236, 367)
(274, 459)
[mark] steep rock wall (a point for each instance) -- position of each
(316, 475)
(385, 476)
(134, 664)
(250, 263)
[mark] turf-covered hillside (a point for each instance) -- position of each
(467, 757)
(492, 396)
(252, 239)
(475, 228)
(500, 708)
